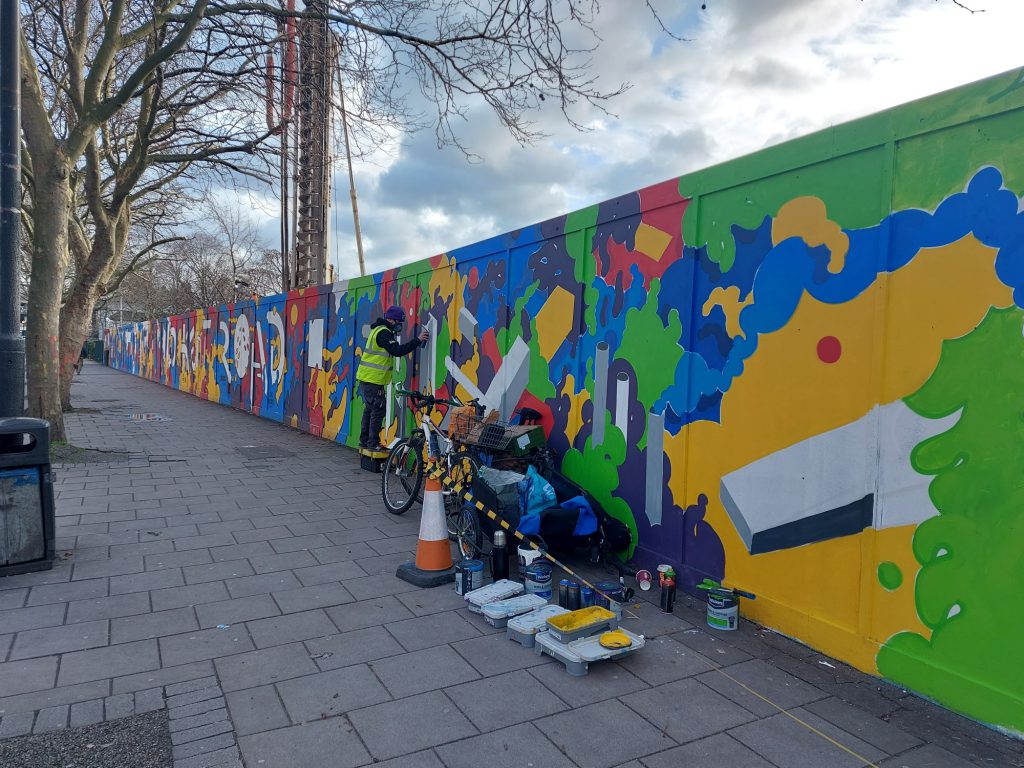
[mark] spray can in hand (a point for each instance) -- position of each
(499, 557)
(667, 581)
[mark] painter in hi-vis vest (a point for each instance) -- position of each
(375, 367)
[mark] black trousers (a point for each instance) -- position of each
(374, 406)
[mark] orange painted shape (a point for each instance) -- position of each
(555, 321)
(652, 242)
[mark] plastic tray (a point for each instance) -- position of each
(499, 590)
(498, 613)
(524, 629)
(585, 622)
(578, 655)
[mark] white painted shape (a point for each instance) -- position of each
(242, 343)
(468, 324)
(276, 355)
(510, 380)
(622, 406)
(224, 349)
(839, 467)
(464, 380)
(315, 344)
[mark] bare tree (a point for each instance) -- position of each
(120, 97)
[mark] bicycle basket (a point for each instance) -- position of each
(483, 432)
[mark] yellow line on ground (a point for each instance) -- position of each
(459, 488)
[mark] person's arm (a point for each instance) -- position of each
(387, 340)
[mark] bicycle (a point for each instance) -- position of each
(402, 475)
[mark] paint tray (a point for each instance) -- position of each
(492, 593)
(578, 655)
(498, 613)
(581, 623)
(524, 629)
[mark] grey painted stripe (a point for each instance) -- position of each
(600, 393)
(655, 466)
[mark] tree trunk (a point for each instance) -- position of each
(51, 198)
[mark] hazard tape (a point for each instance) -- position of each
(461, 490)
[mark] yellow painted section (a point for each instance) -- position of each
(652, 242)
(828, 594)
(806, 218)
(728, 299)
(576, 401)
(555, 321)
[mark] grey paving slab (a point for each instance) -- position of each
(315, 596)
(718, 751)
(520, 745)
(262, 584)
(21, 619)
(927, 756)
(164, 676)
(102, 663)
(144, 582)
(281, 630)
(86, 713)
(256, 709)
(53, 640)
(434, 629)
(298, 542)
(427, 720)
(52, 697)
(687, 710)
(273, 530)
(51, 719)
(229, 569)
(422, 671)
(97, 568)
(711, 646)
(331, 693)
(107, 607)
(12, 598)
(61, 593)
(664, 659)
(16, 724)
(603, 681)
(247, 670)
(204, 644)
(236, 611)
(153, 625)
(357, 646)
(426, 601)
(603, 735)
(783, 741)
(873, 730)
(327, 742)
(368, 613)
(492, 654)
(758, 675)
(193, 594)
(425, 759)
(504, 700)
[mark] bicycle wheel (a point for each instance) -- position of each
(463, 523)
(468, 532)
(402, 476)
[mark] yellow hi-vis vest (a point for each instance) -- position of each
(375, 365)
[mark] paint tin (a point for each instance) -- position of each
(723, 611)
(573, 597)
(526, 555)
(538, 580)
(469, 575)
(610, 588)
(563, 593)
(586, 597)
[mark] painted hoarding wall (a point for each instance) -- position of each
(802, 371)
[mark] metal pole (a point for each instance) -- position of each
(12, 345)
(351, 177)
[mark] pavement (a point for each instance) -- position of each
(236, 578)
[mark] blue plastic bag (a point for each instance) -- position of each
(535, 494)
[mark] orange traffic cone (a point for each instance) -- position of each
(433, 564)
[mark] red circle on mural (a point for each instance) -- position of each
(829, 349)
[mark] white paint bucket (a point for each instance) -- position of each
(723, 610)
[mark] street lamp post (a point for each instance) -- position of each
(12, 346)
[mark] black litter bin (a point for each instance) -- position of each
(26, 496)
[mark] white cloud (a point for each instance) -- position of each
(757, 73)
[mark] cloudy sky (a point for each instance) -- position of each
(755, 73)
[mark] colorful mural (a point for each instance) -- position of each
(798, 371)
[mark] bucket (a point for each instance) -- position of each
(526, 555)
(538, 580)
(723, 611)
(469, 575)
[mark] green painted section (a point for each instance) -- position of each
(644, 332)
(597, 470)
(747, 206)
(890, 576)
(968, 591)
